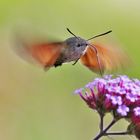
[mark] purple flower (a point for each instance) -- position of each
(120, 94)
(78, 91)
(110, 88)
(124, 78)
(137, 111)
(131, 97)
(107, 77)
(123, 110)
(90, 85)
(116, 100)
(122, 91)
(137, 82)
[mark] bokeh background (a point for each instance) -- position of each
(38, 105)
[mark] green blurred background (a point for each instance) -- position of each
(38, 105)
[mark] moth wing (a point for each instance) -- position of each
(44, 54)
(107, 58)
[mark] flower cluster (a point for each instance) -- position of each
(119, 95)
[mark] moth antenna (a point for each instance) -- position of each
(100, 35)
(71, 32)
(97, 56)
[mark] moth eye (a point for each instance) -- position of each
(78, 45)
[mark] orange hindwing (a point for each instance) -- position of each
(107, 58)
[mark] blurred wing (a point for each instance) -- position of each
(44, 54)
(109, 58)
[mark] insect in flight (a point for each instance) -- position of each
(53, 54)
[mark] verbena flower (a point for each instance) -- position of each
(118, 95)
(123, 110)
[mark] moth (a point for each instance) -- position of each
(96, 57)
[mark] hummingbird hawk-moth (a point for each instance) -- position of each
(96, 57)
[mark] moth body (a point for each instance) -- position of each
(75, 48)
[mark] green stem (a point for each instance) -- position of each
(105, 130)
(116, 133)
(101, 122)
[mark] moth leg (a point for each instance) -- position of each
(75, 61)
(57, 64)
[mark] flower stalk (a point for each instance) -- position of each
(103, 132)
(116, 133)
(101, 121)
